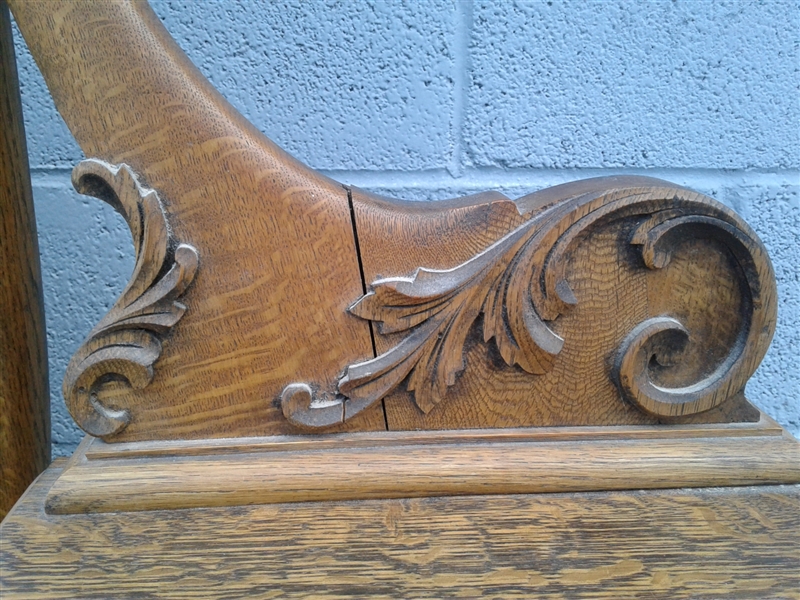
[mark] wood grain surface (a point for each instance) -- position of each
(24, 388)
(721, 543)
(622, 300)
(278, 265)
(126, 343)
(708, 301)
(359, 466)
(97, 449)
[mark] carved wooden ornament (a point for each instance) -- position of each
(591, 336)
(321, 306)
(518, 285)
(127, 341)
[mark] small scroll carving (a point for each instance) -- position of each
(127, 341)
(302, 409)
(660, 338)
(519, 286)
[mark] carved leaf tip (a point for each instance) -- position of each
(439, 308)
(126, 343)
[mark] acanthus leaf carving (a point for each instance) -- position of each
(126, 343)
(520, 287)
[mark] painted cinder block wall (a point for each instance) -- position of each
(434, 99)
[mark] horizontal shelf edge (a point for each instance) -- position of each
(457, 467)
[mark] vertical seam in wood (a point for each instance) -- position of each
(364, 286)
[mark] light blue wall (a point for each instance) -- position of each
(433, 99)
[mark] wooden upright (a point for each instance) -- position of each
(24, 389)
(322, 392)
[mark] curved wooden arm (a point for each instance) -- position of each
(275, 239)
(607, 302)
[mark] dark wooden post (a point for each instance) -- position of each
(24, 390)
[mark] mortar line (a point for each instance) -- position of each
(488, 177)
(463, 29)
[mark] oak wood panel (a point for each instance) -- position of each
(24, 388)
(390, 467)
(702, 291)
(612, 301)
(731, 543)
(277, 259)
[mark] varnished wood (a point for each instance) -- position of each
(278, 261)
(269, 303)
(24, 389)
(722, 543)
(614, 301)
(127, 341)
(152, 476)
(99, 450)
(452, 327)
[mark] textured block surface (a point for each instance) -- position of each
(435, 100)
(708, 85)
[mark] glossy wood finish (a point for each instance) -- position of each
(721, 543)
(278, 265)
(127, 341)
(630, 309)
(153, 476)
(24, 388)
(695, 315)
(615, 301)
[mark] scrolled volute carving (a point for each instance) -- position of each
(519, 286)
(127, 341)
(649, 339)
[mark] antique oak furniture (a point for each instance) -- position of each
(307, 389)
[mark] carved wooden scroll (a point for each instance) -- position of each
(126, 343)
(561, 309)
(518, 287)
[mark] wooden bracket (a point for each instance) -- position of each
(620, 302)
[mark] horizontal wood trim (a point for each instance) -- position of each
(97, 449)
(719, 543)
(396, 468)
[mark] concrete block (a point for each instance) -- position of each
(701, 85)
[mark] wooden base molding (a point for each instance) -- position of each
(661, 544)
(105, 477)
